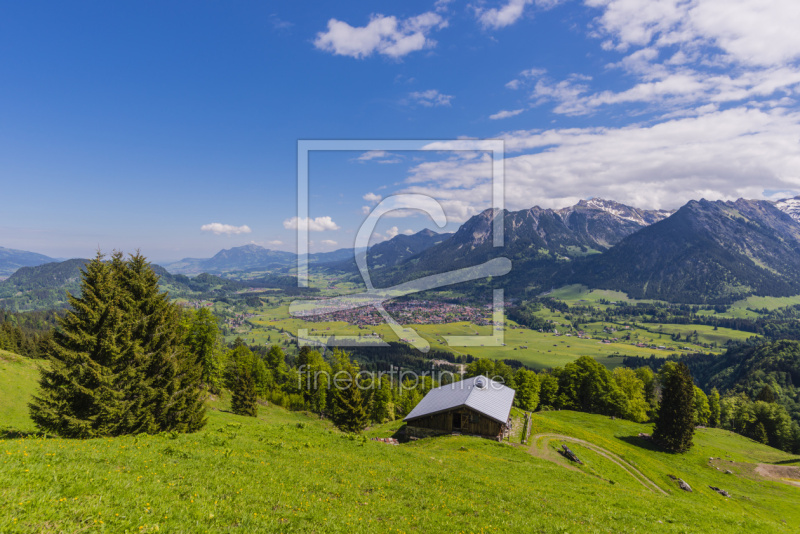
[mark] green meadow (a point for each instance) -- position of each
(294, 472)
(577, 294)
(536, 349)
(18, 378)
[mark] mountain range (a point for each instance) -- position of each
(704, 252)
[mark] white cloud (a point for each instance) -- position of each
(748, 32)
(442, 5)
(461, 183)
(329, 242)
(320, 224)
(379, 156)
(275, 242)
(219, 228)
(499, 18)
(525, 76)
(384, 35)
(504, 114)
(373, 198)
(389, 234)
(738, 152)
(510, 13)
(372, 154)
(408, 231)
(674, 90)
(430, 98)
(684, 54)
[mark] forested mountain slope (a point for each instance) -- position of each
(707, 252)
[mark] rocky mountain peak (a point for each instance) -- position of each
(790, 206)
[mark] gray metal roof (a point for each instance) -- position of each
(493, 400)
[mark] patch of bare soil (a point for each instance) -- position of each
(785, 473)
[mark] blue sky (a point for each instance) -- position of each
(137, 124)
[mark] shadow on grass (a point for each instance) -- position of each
(13, 433)
(642, 443)
(400, 434)
(785, 462)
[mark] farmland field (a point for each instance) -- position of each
(533, 348)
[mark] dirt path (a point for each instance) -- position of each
(608, 455)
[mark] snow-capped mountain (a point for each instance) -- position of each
(621, 211)
(790, 206)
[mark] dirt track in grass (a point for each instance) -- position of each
(547, 454)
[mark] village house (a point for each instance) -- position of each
(475, 406)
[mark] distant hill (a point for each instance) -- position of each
(707, 252)
(251, 258)
(244, 258)
(41, 287)
(11, 260)
(45, 286)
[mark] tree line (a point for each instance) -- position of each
(759, 395)
(26, 333)
(669, 398)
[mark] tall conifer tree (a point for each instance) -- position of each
(676, 419)
(117, 365)
(242, 382)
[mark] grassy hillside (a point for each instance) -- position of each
(290, 472)
(18, 378)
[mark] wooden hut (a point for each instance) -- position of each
(476, 406)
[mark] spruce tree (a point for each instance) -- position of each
(244, 400)
(164, 393)
(348, 408)
(79, 397)
(674, 427)
(117, 364)
(349, 413)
